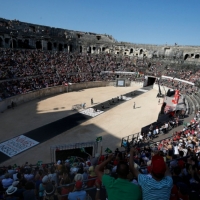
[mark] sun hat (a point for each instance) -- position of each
(78, 177)
(11, 190)
(158, 165)
(49, 189)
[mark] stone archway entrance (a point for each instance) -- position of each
(49, 46)
(38, 45)
(81, 49)
(186, 56)
(60, 47)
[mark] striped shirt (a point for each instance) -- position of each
(155, 190)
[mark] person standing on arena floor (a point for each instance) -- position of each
(158, 101)
(119, 188)
(157, 187)
(134, 105)
(92, 101)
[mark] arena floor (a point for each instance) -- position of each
(120, 121)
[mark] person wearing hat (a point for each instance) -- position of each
(161, 182)
(119, 188)
(50, 192)
(77, 192)
(10, 192)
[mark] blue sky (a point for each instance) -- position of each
(141, 21)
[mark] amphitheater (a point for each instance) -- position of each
(54, 117)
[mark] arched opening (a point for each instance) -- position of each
(1, 42)
(89, 50)
(60, 47)
(103, 49)
(13, 43)
(131, 51)
(141, 51)
(65, 46)
(70, 48)
(7, 40)
(49, 46)
(81, 49)
(38, 45)
(94, 48)
(186, 56)
(20, 44)
(26, 43)
(197, 56)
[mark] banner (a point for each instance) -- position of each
(17, 145)
(99, 139)
(108, 150)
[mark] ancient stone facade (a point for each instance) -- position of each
(16, 34)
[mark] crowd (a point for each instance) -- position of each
(168, 169)
(23, 71)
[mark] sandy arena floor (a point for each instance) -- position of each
(114, 124)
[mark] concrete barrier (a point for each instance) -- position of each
(22, 98)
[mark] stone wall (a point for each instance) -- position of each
(20, 99)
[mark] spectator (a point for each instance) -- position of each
(77, 193)
(119, 188)
(157, 187)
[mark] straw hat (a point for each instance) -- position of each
(11, 190)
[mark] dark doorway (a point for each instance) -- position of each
(38, 45)
(20, 44)
(1, 42)
(26, 44)
(103, 49)
(70, 48)
(65, 154)
(150, 81)
(81, 49)
(186, 56)
(131, 51)
(141, 51)
(65, 46)
(60, 47)
(49, 46)
(197, 56)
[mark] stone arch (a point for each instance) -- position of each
(197, 56)
(49, 46)
(94, 48)
(141, 51)
(103, 49)
(81, 49)
(13, 43)
(60, 47)
(7, 40)
(186, 56)
(65, 46)
(26, 43)
(131, 50)
(70, 48)
(20, 44)
(1, 42)
(38, 45)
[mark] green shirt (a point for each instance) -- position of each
(121, 189)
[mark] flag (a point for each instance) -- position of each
(82, 150)
(39, 163)
(14, 166)
(99, 139)
(108, 150)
